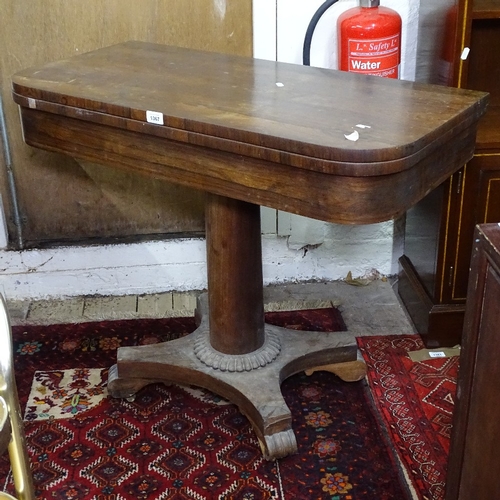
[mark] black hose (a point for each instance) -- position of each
(306, 52)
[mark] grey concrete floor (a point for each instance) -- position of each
(372, 309)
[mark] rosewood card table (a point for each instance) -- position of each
(330, 145)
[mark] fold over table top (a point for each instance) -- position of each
(267, 112)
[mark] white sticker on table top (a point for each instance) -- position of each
(154, 117)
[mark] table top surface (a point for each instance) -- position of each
(282, 107)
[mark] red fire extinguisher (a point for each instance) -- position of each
(369, 40)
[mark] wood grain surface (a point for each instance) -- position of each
(230, 130)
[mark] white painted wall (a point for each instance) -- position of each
(294, 248)
(174, 265)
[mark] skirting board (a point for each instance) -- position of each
(171, 265)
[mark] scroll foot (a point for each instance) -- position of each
(349, 371)
(279, 445)
(125, 388)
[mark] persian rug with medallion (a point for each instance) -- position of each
(385, 437)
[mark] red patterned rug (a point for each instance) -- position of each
(175, 442)
(415, 401)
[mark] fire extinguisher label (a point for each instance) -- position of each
(375, 57)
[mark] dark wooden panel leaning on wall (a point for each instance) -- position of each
(62, 199)
(474, 460)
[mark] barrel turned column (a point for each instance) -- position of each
(234, 267)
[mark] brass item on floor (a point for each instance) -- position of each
(11, 422)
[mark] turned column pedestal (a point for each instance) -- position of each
(233, 352)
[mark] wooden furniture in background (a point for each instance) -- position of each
(438, 240)
(474, 463)
(249, 132)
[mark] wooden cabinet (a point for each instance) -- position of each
(434, 269)
(474, 460)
